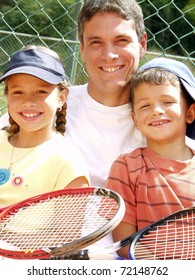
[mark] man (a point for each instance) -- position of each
(112, 41)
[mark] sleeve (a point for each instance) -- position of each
(72, 168)
(119, 181)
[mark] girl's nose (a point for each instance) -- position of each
(29, 101)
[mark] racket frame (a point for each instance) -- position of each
(139, 234)
(76, 244)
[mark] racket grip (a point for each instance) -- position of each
(80, 255)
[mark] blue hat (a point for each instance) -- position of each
(183, 73)
(36, 63)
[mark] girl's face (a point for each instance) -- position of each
(160, 112)
(32, 102)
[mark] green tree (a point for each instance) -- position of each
(45, 17)
(170, 25)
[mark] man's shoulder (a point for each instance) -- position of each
(75, 94)
(77, 90)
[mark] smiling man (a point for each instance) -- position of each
(112, 41)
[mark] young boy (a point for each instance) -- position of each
(159, 179)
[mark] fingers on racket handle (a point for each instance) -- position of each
(80, 255)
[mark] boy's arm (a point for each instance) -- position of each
(120, 232)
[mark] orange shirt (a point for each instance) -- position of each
(152, 186)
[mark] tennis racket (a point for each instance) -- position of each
(73, 218)
(172, 237)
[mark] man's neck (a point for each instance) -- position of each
(112, 97)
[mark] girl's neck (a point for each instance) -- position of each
(30, 139)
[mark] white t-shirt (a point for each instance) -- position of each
(101, 133)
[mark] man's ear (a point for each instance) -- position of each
(190, 116)
(143, 45)
(82, 52)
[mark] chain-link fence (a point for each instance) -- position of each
(53, 23)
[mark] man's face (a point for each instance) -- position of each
(111, 51)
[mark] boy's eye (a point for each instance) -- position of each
(95, 43)
(144, 106)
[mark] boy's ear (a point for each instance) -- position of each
(190, 116)
(134, 119)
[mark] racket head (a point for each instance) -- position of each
(38, 227)
(172, 237)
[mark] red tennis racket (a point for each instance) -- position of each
(72, 218)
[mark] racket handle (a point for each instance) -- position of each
(80, 255)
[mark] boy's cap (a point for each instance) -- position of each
(36, 63)
(183, 73)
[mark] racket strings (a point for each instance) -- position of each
(53, 222)
(172, 240)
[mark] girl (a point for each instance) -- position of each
(34, 156)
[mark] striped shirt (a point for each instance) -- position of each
(152, 186)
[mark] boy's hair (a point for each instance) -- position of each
(157, 77)
(126, 9)
(60, 113)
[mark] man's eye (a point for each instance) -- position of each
(17, 92)
(95, 43)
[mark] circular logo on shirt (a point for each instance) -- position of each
(17, 181)
(4, 175)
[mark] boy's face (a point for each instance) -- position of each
(111, 51)
(160, 112)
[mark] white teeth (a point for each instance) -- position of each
(158, 123)
(111, 69)
(30, 115)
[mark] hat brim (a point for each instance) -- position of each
(190, 130)
(42, 74)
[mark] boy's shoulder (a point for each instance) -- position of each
(133, 154)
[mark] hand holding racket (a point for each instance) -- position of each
(72, 218)
(172, 237)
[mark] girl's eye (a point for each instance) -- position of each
(42, 92)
